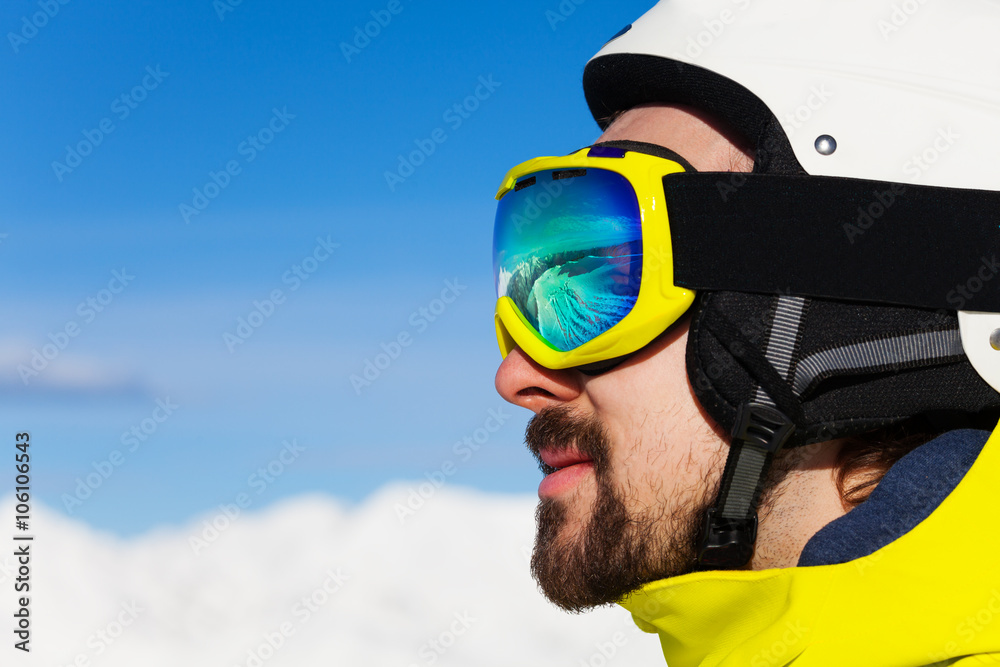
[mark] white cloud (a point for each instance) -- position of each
(329, 585)
(65, 373)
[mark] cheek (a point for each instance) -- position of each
(659, 458)
(662, 441)
(647, 395)
(656, 370)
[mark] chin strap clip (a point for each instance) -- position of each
(730, 527)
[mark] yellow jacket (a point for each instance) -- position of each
(929, 597)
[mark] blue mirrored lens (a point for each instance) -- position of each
(567, 249)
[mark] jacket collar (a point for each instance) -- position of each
(930, 594)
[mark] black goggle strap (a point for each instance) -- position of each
(761, 430)
(836, 238)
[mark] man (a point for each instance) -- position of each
(706, 457)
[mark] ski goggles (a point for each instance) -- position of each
(582, 257)
(589, 268)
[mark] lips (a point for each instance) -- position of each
(553, 460)
(563, 471)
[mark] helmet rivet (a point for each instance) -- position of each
(825, 144)
(995, 339)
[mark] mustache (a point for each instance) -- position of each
(559, 428)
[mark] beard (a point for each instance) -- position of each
(618, 548)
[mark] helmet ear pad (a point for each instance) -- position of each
(823, 394)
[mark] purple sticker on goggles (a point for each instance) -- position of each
(606, 151)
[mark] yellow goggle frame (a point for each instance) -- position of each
(659, 303)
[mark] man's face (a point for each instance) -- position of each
(639, 459)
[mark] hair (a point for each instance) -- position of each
(864, 459)
(608, 121)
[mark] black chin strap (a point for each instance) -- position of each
(730, 527)
(761, 430)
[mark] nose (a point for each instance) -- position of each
(522, 381)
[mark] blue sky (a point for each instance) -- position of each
(169, 170)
